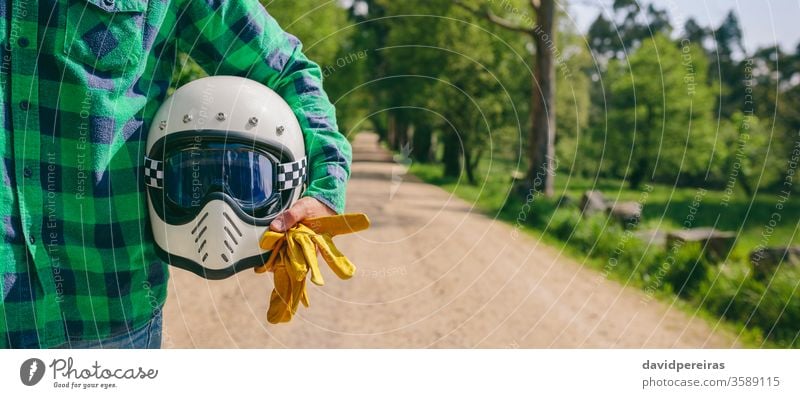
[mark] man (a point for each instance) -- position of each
(80, 83)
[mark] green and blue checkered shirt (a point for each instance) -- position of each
(80, 82)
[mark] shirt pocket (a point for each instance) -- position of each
(105, 35)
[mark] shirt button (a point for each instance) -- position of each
(24, 105)
(27, 172)
(23, 42)
(32, 240)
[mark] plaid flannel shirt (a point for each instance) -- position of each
(80, 82)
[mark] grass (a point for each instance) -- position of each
(761, 312)
(666, 207)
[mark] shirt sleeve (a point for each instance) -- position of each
(240, 38)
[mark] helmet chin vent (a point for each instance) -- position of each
(232, 235)
(198, 232)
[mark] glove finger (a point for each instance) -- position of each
(310, 255)
(339, 224)
(273, 256)
(269, 239)
(340, 265)
(304, 299)
(278, 311)
(296, 265)
(298, 292)
(280, 299)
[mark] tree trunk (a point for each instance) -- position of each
(541, 148)
(452, 155)
(391, 130)
(380, 127)
(471, 161)
(401, 135)
(421, 149)
(748, 190)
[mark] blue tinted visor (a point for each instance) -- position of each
(247, 176)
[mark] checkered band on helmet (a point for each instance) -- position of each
(291, 175)
(153, 173)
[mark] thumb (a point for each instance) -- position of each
(291, 217)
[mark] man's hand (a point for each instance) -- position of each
(306, 207)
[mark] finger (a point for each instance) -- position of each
(299, 211)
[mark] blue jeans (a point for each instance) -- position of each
(147, 336)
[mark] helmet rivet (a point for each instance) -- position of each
(187, 118)
(220, 116)
(253, 121)
(279, 130)
(162, 125)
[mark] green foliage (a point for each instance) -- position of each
(660, 113)
(450, 77)
(730, 292)
(572, 103)
(629, 24)
(755, 158)
(687, 268)
(770, 307)
(777, 309)
(589, 231)
(564, 222)
(321, 27)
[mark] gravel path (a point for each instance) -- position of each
(432, 272)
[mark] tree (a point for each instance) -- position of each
(448, 79)
(727, 72)
(695, 33)
(628, 27)
(541, 146)
(753, 160)
(412, 42)
(371, 31)
(574, 151)
(660, 113)
(602, 38)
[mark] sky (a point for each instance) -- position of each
(764, 22)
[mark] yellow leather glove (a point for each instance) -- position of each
(294, 255)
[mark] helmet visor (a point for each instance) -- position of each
(246, 175)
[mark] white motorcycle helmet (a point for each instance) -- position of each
(225, 155)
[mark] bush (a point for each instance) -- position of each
(635, 257)
(563, 222)
(610, 238)
(587, 233)
(731, 292)
(777, 311)
(688, 269)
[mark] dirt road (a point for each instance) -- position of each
(432, 272)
